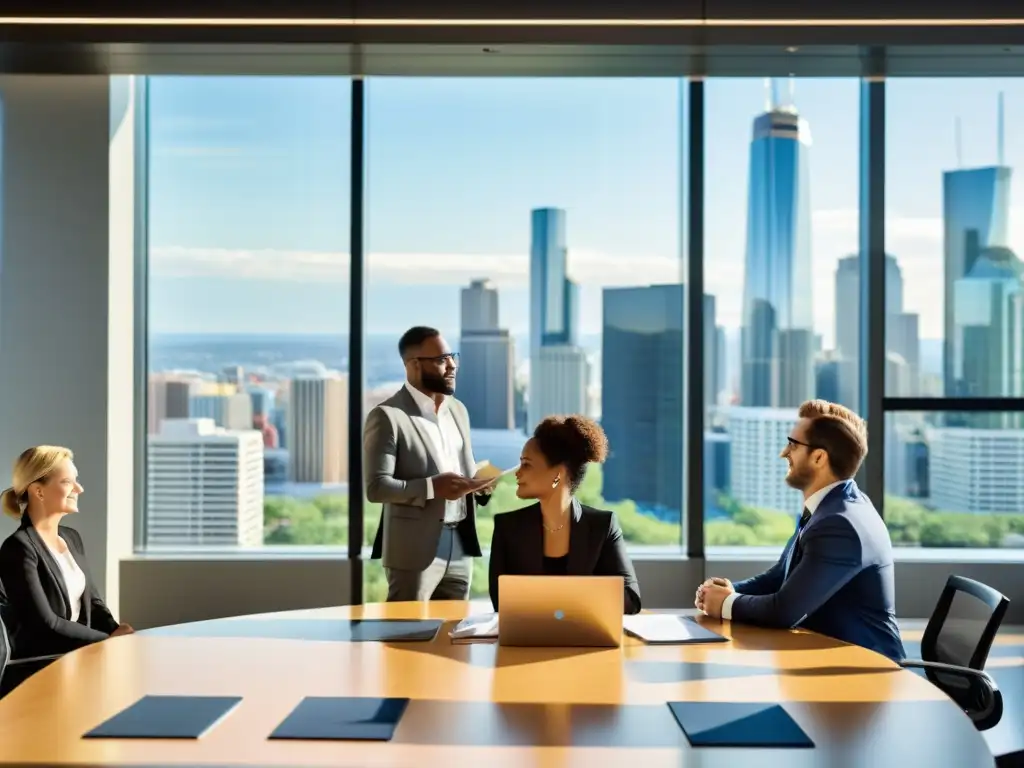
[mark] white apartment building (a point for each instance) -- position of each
(757, 474)
(204, 486)
(976, 470)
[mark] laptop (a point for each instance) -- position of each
(561, 611)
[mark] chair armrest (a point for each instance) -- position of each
(987, 709)
(34, 659)
(950, 669)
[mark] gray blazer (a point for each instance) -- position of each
(397, 459)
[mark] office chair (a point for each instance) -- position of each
(954, 649)
(17, 670)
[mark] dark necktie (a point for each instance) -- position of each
(799, 529)
(803, 519)
(794, 554)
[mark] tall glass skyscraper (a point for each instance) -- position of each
(559, 371)
(777, 339)
(553, 296)
(486, 387)
(975, 216)
(642, 396)
(988, 340)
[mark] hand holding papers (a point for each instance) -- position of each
(485, 471)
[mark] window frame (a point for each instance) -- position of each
(875, 406)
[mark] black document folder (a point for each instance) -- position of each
(727, 724)
(327, 630)
(342, 718)
(393, 630)
(166, 717)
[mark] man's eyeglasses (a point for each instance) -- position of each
(793, 443)
(440, 359)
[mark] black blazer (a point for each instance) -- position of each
(38, 599)
(596, 548)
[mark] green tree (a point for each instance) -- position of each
(728, 533)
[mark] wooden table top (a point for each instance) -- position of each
(480, 704)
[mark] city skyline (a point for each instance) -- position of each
(222, 254)
(455, 192)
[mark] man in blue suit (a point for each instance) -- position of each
(835, 575)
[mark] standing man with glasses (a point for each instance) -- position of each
(419, 465)
(835, 575)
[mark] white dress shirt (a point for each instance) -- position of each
(811, 504)
(74, 578)
(446, 439)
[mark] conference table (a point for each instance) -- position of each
(481, 703)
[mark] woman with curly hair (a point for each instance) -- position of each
(558, 536)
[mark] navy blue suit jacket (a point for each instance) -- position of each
(840, 584)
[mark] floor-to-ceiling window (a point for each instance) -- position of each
(954, 314)
(780, 262)
(248, 223)
(536, 223)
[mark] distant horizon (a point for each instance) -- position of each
(308, 334)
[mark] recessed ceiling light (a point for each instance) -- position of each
(792, 49)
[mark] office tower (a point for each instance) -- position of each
(204, 485)
(487, 360)
(826, 379)
(777, 336)
(712, 384)
(901, 331)
(168, 399)
(280, 419)
(234, 375)
(717, 471)
(988, 334)
(479, 306)
(721, 364)
(898, 427)
(262, 402)
(757, 474)
(557, 365)
(563, 373)
(520, 406)
(317, 429)
(976, 470)
(903, 337)
(642, 394)
(230, 410)
(553, 296)
(975, 217)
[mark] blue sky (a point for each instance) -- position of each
(249, 183)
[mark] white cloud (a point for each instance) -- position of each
(588, 267)
(915, 241)
(198, 151)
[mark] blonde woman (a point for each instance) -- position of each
(54, 604)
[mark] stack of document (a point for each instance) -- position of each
(480, 627)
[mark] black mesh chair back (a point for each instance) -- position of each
(964, 623)
(956, 644)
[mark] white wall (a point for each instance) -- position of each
(157, 591)
(59, 372)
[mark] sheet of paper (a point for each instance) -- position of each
(487, 471)
(476, 627)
